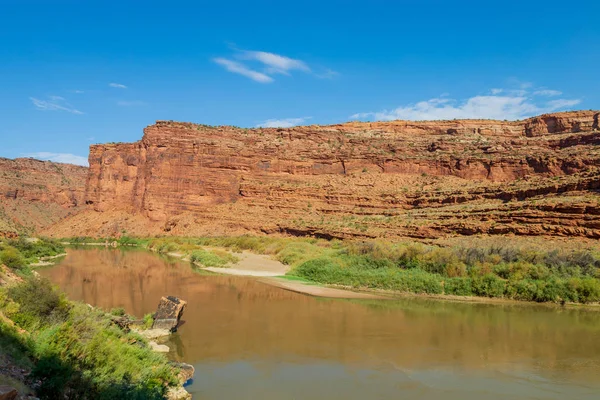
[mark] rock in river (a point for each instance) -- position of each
(170, 310)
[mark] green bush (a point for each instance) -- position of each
(12, 258)
(458, 286)
(36, 248)
(148, 321)
(118, 312)
(38, 303)
(212, 258)
(488, 285)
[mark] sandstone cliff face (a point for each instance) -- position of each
(400, 178)
(35, 194)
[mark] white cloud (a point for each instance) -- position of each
(117, 85)
(261, 66)
(77, 91)
(511, 105)
(55, 103)
(59, 157)
(562, 103)
(275, 63)
(131, 103)
(239, 68)
(547, 92)
(282, 123)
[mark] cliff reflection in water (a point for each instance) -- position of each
(234, 318)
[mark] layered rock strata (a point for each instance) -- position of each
(35, 194)
(426, 179)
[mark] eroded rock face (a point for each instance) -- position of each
(34, 194)
(169, 312)
(392, 179)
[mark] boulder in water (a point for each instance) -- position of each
(170, 310)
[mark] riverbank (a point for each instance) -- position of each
(499, 268)
(67, 349)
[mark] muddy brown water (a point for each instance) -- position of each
(249, 340)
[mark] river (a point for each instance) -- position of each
(250, 340)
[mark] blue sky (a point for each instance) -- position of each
(74, 73)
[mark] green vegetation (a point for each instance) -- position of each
(214, 258)
(18, 253)
(73, 351)
(499, 269)
(495, 269)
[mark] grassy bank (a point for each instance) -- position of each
(72, 351)
(500, 269)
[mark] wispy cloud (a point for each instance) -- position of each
(130, 103)
(239, 68)
(547, 92)
(282, 123)
(562, 103)
(275, 63)
(117, 85)
(499, 104)
(77, 91)
(67, 158)
(54, 103)
(262, 66)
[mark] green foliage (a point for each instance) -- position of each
(118, 312)
(499, 269)
(130, 241)
(213, 258)
(148, 321)
(35, 248)
(488, 285)
(77, 352)
(458, 286)
(39, 303)
(327, 270)
(12, 258)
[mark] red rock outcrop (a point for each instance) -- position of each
(35, 194)
(421, 179)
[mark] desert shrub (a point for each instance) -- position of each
(12, 258)
(130, 241)
(524, 289)
(38, 303)
(488, 285)
(458, 286)
(443, 261)
(329, 270)
(148, 321)
(295, 253)
(34, 249)
(87, 357)
(583, 290)
(214, 258)
(118, 312)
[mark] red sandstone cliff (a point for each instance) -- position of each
(421, 179)
(35, 194)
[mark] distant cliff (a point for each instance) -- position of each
(539, 176)
(35, 194)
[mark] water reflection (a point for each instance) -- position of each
(273, 342)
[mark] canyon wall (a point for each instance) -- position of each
(394, 179)
(35, 194)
